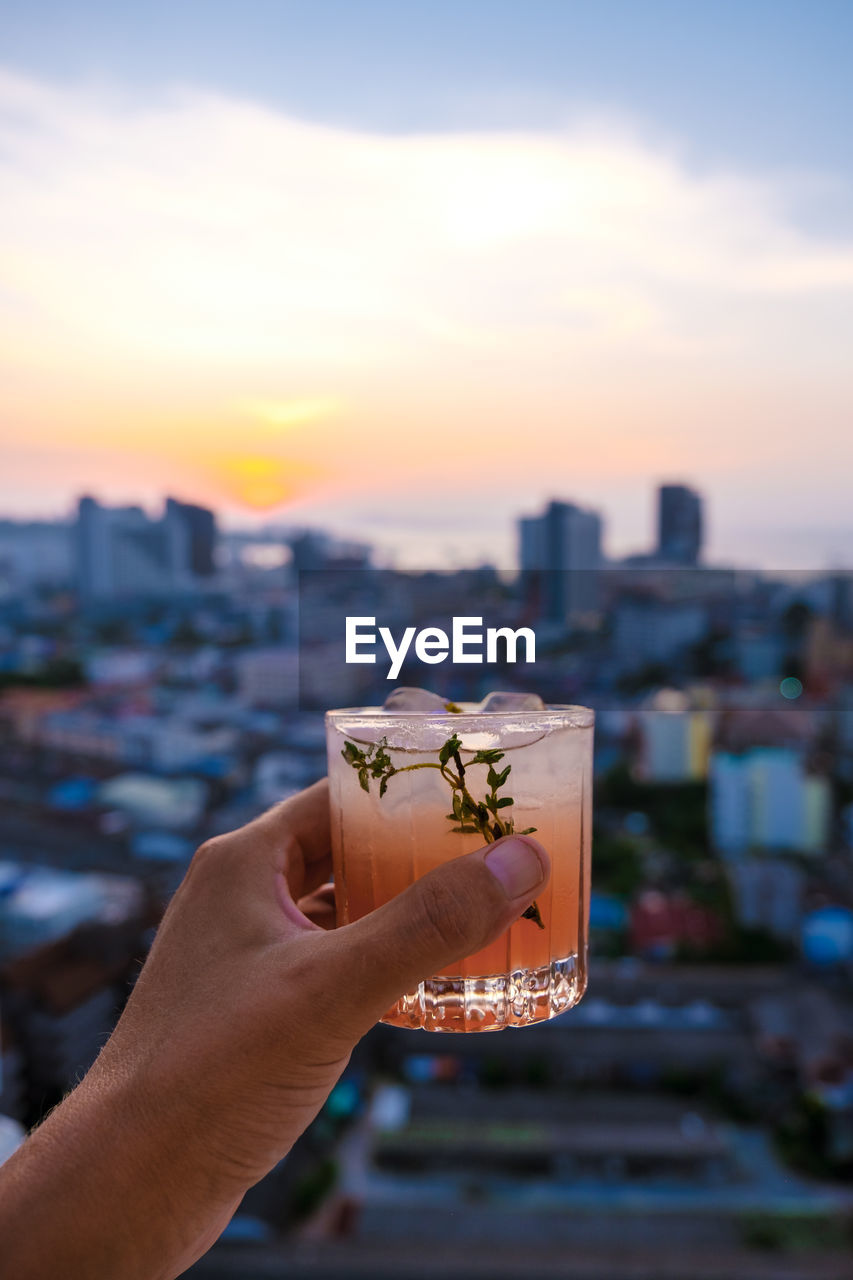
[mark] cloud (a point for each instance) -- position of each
(208, 227)
(220, 270)
(290, 413)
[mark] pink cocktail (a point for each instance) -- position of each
(508, 770)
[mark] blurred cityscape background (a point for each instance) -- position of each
(537, 312)
(162, 680)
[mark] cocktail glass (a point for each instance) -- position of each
(381, 843)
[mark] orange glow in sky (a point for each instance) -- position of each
(205, 296)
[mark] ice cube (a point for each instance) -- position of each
(418, 701)
(499, 701)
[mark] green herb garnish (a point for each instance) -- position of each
(487, 817)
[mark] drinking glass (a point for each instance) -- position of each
(381, 843)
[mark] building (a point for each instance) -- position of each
(278, 774)
(560, 555)
(532, 545)
(313, 550)
(121, 551)
(122, 667)
(765, 799)
(191, 533)
(841, 604)
(35, 553)
(38, 905)
(626, 1184)
(175, 804)
(675, 739)
(679, 524)
(660, 923)
(768, 894)
(758, 653)
(648, 631)
(62, 992)
(268, 677)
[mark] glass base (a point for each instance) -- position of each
(491, 1003)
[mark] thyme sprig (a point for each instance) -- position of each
(487, 817)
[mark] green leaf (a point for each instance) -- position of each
(472, 817)
(528, 831)
(452, 707)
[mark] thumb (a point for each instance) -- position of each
(451, 912)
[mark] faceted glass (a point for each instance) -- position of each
(381, 844)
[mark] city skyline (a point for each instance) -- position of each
(652, 547)
(364, 301)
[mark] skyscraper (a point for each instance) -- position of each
(560, 553)
(121, 551)
(679, 524)
(192, 533)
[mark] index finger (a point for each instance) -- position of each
(298, 833)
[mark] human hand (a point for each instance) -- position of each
(244, 1016)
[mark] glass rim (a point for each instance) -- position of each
(566, 715)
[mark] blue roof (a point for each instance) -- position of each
(243, 1227)
(161, 846)
(72, 794)
(827, 935)
(606, 912)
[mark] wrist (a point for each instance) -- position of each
(113, 1182)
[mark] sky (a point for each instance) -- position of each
(409, 271)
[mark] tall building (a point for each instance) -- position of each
(118, 551)
(121, 551)
(674, 739)
(532, 550)
(34, 552)
(560, 554)
(679, 524)
(192, 533)
(765, 799)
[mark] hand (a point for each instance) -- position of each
(242, 1020)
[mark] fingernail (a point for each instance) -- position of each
(515, 863)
